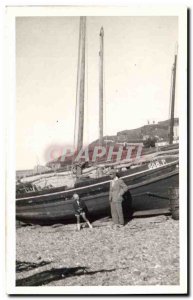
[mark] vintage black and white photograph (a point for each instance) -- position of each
(98, 105)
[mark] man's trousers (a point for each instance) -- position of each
(117, 212)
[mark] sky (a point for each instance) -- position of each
(138, 58)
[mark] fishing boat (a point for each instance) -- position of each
(148, 181)
(147, 190)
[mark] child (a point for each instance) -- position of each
(79, 210)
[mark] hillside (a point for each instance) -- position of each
(160, 130)
(137, 135)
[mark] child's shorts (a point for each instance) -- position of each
(82, 213)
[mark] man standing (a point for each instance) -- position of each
(80, 210)
(117, 190)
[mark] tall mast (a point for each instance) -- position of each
(101, 87)
(173, 99)
(81, 81)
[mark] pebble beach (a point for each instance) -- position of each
(143, 252)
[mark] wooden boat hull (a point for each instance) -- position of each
(148, 189)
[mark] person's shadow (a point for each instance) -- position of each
(54, 274)
(22, 266)
(127, 206)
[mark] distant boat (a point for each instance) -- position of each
(148, 183)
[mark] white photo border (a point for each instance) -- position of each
(10, 14)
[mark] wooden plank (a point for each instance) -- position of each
(151, 212)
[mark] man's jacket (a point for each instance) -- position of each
(117, 190)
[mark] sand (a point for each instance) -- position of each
(143, 252)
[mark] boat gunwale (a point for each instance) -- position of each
(96, 184)
(103, 194)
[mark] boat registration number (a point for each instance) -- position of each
(156, 164)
